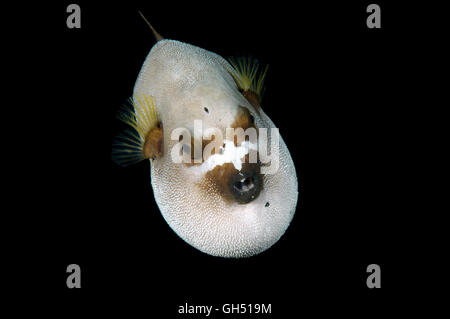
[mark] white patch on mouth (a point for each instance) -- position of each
(230, 154)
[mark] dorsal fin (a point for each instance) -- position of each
(157, 36)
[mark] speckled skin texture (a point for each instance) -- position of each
(184, 79)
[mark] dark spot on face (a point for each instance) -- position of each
(235, 186)
(246, 186)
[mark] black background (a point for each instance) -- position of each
(339, 92)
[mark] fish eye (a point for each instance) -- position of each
(206, 110)
(252, 119)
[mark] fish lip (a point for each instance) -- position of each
(247, 184)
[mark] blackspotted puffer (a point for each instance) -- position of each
(217, 198)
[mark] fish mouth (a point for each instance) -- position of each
(246, 185)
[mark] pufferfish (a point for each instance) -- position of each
(219, 205)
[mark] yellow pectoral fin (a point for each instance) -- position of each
(143, 137)
(248, 76)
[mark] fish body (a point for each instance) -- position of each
(219, 205)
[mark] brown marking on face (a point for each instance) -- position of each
(243, 120)
(253, 99)
(153, 145)
(232, 185)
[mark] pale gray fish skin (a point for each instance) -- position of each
(183, 79)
